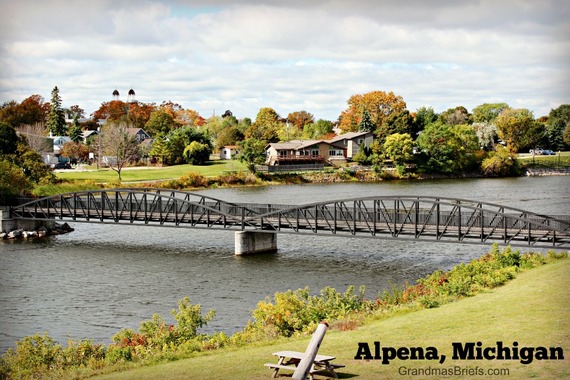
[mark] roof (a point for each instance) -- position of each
(296, 144)
(347, 136)
(231, 146)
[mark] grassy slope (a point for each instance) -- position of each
(213, 168)
(533, 309)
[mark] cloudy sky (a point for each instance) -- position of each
(292, 55)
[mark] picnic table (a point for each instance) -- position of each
(289, 360)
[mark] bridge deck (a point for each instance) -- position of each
(403, 217)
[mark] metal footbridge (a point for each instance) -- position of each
(425, 218)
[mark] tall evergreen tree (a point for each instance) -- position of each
(56, 118)
(365, 124)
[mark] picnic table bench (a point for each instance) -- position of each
(289, 360)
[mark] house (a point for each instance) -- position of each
(59, 142)
(139, 134)
(302, 152)
(228, 151)
(87, 134)
(352, 142)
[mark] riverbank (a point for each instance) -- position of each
(540, 294)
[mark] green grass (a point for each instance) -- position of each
(558, 160)
(533, 309)
(138, 174)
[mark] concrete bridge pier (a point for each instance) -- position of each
(248, 242)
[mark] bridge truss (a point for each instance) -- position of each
(396, 217)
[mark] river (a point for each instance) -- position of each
(101, 278)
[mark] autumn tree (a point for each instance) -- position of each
(113, 111)
(299, 119)
(36, 137)
(455, 116)
(518, 129)
(30, 111)
(119, 146)
(56, 119)
(265, 126)
(379, 104)
(76, 152)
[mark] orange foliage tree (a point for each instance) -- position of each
(379, 104)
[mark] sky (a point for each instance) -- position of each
(311, 55)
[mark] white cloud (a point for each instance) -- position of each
(290, 55)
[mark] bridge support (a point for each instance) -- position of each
(8, 224)
(248, 242)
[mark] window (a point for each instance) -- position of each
(315, 152)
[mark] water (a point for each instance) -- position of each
(101, 278)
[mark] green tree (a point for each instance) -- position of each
(518, 129)
(397, 122)
(180, 138)
(488, 112)
(448, 149)
(558, 122)
(8, 139)
(160, 149)
(160, 121)
(399, 148)
(197, 153)
(252, 153)
(229, 136)
(365, 124)
(75, 131)
(13, 181)
(318, 129)
(56, 118)
(32, 165)
(424, 117)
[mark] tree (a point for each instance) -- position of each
(75, 151)
(486, 134)
(455, 116)
(119, 146)
(318, 129)
(56, 118)
(299, 119)
(399, 148)
(448, 149)
(500, 163)
(32, 164)
(365, 124)
(160, 149)
(229, 136)
(197, 153)
(488, 112)
(379, 104)
(252, 152)
(266, 125)
(31, 111)
(518, 129)
(13, 182)
(558, 122)
(161, 121)
(75, 131)
(424, 117)
(398, 122)
(8, 139)
(35, 136)
(180, 138)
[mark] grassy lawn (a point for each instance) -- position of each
(141, 174)
(561, 159)
(533, 310)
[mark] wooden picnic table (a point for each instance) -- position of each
(289, 360)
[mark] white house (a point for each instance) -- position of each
(228, 152)
(59, 142)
